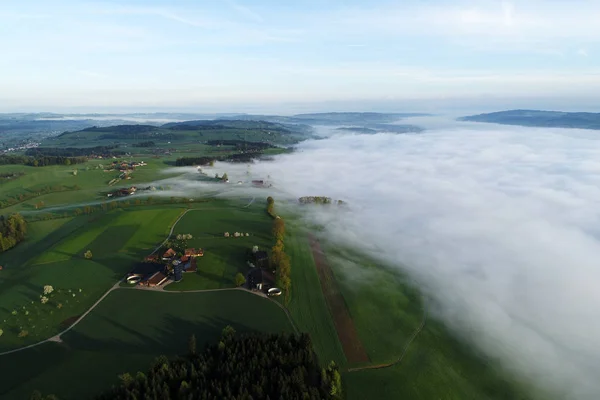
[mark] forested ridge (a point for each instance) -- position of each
(255, 367)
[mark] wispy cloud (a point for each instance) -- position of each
(582, 52)
(245, 11)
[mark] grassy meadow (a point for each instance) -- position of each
(67, 189)
(386, 309)
(223, 257)
(307, 303)
(53, 255)
(125, 333)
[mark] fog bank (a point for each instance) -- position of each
(501, 225)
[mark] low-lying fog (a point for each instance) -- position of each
(500, 224)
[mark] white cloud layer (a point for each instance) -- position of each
(499, 224)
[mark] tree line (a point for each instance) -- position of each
(279, 259)
(274, 366)
(248, 156)
(41, 161)
(319, 200)
(12, 231)
(10, 201)
(74, 151)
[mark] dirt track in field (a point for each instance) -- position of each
(353, 348)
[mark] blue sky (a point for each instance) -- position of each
(267, 55)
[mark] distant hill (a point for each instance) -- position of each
(332, 118)
(380, 128)
(550, 119)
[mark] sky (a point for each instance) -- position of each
(498, 225)
(267, 55)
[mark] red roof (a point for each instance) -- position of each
(156, 278)
(185, 258)
(169, 253)
(194, 252)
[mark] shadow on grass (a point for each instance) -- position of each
(171, 339)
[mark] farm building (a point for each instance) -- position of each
(152, 258)
(261, 279)
(156, 279)
(194, 252)
(261, 259)
(169, 254)
(191, 266)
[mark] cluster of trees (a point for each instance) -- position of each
(271, 206)
(246, 367)
(149, 143)
(319, 200)
(315, 199)
(187, 161)
(43, 161)
(74, 151)
(13, 160)
(247, 156)
(12, 231)
(6, 176)
(38, 192)
(240, 144)
(279, 259)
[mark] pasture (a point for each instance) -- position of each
(126, 332)
(53, 255)
(307, 304)
(223, 256)
(57, 185)
(386, 310)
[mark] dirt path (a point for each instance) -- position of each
(351, 343)
(56, 338)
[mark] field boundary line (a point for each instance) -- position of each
(410, 340)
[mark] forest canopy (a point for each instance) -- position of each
(255, 367)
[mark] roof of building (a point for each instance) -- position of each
(169, 253)
(156, 278)
(194, 252)
(261, 255)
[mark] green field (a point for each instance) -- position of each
(386, 309)
(307, 304)
(223, 257)
(126, 332)
(53, 255)
(90, 183)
